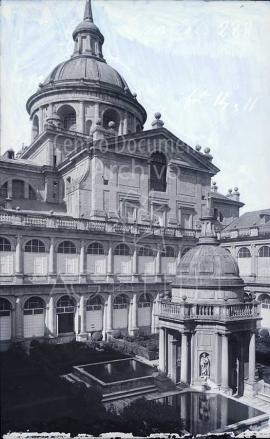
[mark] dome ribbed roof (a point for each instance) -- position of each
(87, 68)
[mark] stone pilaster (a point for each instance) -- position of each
(19, 261)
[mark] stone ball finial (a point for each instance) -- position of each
(18, 208)
(214, 183)
(111, 124)
(207, 150)
(230, 191)
(98, 122)
(40, 85)
(126, 89)
(236, 189)
(157, 115)
(198, 147)
(134, 95)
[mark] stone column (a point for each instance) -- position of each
(251, 359)
(19, 261)
(225, 362)
(40, 118)
(172, 359)
(135, 263)
(19, 331)
(184, 358)
(82, 315)
(82, 263)
(109, 316)
(52, 265)
(158, 262)
(162, 349)
(50, 318)
(241, 377)
(155, 320)
(134, 324)
(254, 266)
(110, 261)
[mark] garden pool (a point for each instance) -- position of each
(202, 413)
(119, 370)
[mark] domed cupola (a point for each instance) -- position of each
(209, 271)
(84, 89)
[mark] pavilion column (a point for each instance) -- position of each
(225, 362)
(19, 261)
(82, 315)
(162, 349)
(252, 359)
(184, 358)
(154, 320)
(172, 358)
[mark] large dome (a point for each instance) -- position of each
(208, 265)
(88, 69)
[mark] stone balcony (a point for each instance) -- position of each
(68, 223)
(215, 312)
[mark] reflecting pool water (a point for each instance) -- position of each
(119, 370)
(204, 412)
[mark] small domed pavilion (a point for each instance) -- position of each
(207, 327)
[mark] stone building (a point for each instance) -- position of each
(207, 328)
(248, 240)
(96, 211)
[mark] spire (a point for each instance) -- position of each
(88, 15)
(87, 36)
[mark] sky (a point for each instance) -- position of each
(204, 65)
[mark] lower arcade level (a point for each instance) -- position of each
(74, 312)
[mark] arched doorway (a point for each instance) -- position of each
(145, 310)
(120, 312)
(5, 320)
(65, 311)
(34, 317)
(94, 314)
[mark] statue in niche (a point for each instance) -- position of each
(204, 365)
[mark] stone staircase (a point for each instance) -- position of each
(132, 393)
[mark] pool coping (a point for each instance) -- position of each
(103, 383)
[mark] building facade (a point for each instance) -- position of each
(96, 212)
(248, 240)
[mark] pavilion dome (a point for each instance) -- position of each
(208, 265)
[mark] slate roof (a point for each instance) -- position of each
(255, 218)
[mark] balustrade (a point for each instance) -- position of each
(180, 311)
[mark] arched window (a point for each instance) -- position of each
(94, 303)
(158, 170)
(68, 117)
(145, 301)
(34, 246)
(264, 252)
(264, 298)
(32, 193)
(18, 189)
(65, 304)
(5, 245)
(185, 250)
(5, 307)
(34, 305)
(95, 249)
(66, 247)
(146, 251)
(4, 190)
(35, 127)
(111, 115)
(122, 250)
(244, 253)
(168, 252)
(120, 302)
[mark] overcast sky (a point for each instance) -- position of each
(204, 65)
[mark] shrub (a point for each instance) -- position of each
(117, 334)
(97, 336)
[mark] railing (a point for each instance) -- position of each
(260, 231)
(182, 311)
(58, 222)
